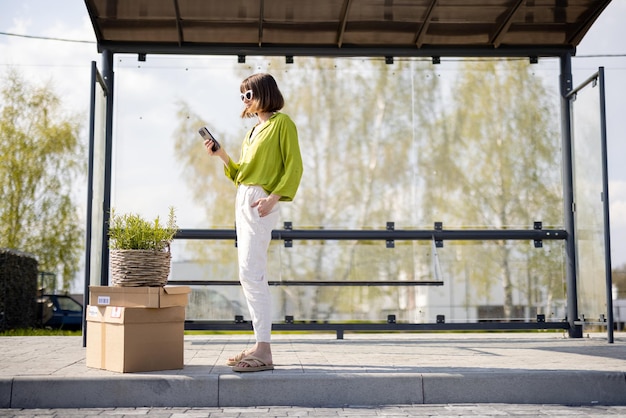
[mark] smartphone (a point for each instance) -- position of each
(206, 134)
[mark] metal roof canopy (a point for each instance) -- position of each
(343, 27)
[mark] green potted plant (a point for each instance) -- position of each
(140, 249)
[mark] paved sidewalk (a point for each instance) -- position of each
(395, 411)
(317, 370)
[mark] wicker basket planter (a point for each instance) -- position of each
(139, 267)
(140, 249)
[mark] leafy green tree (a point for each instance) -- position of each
(497, 152)
(41, 158)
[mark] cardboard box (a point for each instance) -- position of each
(141, 296)
(123, 339)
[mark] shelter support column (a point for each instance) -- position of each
(569, 205)
(107, 74)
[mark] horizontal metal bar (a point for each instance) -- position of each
(196, 325)
(310, 283)
(583, 84)
(346, 50)
(398, 235)
(601, 323)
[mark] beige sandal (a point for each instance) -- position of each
(255, 364)
(236, 359)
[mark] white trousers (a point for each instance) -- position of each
(254, 234)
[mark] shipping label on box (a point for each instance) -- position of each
(103, 300)
(141, 296)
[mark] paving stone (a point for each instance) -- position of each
(318, 370)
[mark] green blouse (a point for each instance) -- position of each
(271, 159)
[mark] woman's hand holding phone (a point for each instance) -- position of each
(208, 138)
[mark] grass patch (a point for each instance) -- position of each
(209, 332)
(39, 332)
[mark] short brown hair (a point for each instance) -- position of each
(266, 97)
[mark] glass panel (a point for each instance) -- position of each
(513, 281)
(588, 188)
(466, 143)
(97, 186)
(474, 144)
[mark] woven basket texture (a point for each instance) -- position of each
(139, 267)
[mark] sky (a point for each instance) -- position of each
(67, 65)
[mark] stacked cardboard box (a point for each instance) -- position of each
(136, 329)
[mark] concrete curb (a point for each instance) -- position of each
(105, 392)
(527, 387)
(320, 390)
(5, 392)
(316, 390)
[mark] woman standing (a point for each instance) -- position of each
(268, 172)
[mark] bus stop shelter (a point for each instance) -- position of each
(533, 29)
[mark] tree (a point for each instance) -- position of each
(41, 158)
(497, 151)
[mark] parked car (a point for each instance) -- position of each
(61, 311)
(209, 304)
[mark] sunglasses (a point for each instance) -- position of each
(246, 96)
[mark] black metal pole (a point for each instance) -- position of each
(605, 202)
(107, 73)
(92, 122)
(566, 84)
